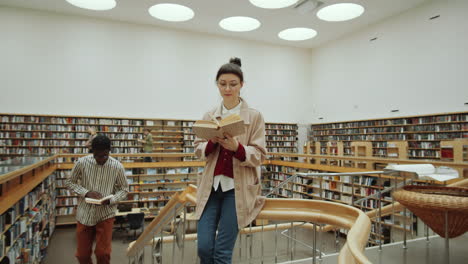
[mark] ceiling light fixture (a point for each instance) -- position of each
(340, 12)
(239, 24)
(97, 5)
(171, 12)
(272, 4)
(297, 34)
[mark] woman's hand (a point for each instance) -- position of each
(228, 142)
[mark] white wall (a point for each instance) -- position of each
(59, 64)
(417, 65)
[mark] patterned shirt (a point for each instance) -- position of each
(107, 179)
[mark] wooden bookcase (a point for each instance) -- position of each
(27, 215)
(150, 184)
(423, 134)
(25, 134)
(281, 137)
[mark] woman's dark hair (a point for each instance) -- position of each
(234, 67)
(101, 142)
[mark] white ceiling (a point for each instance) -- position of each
(208, 13)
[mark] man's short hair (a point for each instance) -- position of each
(101, 142)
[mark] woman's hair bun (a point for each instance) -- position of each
(236, 61)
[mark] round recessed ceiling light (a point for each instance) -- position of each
(273, 4)
(297, 34)
(340, 12)
(98, 5)
(171, 12)
(239, 24)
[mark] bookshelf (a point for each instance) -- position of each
(26, 134)
(22, 134)
(168, 135)
(27, 215)
(281, 137)
(151, 185)
(423, 134)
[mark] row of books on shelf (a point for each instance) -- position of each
(281, 126)
(188, 149)
(25, 228)
(383, 137)
(189, 137)
(422, 153)
(281, 138)
(422, 144)
(188, 123)
(281, 144)
(65, 210)
(282, 149)
(139, 197)
(64, 192)
(27, 202)
(67, 128)
(63, 136)
(281, 132)
(398, 121)
(27, 240)
(41, 143)
(69, 201)
(393, 129)
(31, 150)
(69, 120)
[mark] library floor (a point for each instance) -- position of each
(62, 247)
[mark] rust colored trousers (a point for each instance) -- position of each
(85, 236)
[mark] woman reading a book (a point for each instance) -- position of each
(228, 196)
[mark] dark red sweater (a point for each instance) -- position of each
(224, 162)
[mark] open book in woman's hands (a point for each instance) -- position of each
(98, 201)
(233, 125)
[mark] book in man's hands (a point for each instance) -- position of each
(233, 125)
(97, 201)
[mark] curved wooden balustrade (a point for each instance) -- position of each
(340, 215)
(388, 209)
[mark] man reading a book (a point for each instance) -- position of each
(93, 177)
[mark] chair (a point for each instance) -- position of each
(136, 221)
(120, 220)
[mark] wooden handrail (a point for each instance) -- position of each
(373, 159)
(14, 174)
(340, 215)
(156, 155)
(16, 192)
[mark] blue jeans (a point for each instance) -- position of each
(218, 214)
